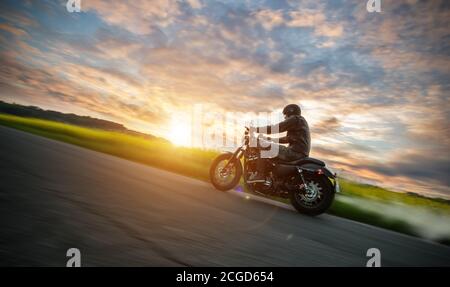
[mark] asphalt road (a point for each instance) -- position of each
(55, 196)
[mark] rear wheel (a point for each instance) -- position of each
(314, 198)
(225, 179)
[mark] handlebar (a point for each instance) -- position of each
(248, 134)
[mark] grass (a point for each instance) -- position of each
(377, 193)
(353, 212)
(195, 163)
(187, 161)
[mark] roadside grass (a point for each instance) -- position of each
(195, 163)
(187, 161)
(378, 193)
(353, 212)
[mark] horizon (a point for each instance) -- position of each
(372, 86)
(346, 177)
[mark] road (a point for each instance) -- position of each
(55, 196)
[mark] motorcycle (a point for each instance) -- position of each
(308, 184)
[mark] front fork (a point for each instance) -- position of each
(236, 155)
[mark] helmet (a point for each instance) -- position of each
(291, 110)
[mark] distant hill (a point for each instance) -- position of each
(85, 121)
(443, 200)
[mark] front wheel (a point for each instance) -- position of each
(225, 179)
(314, 198)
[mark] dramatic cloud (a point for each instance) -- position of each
(137, 16)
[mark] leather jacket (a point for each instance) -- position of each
(298, 136)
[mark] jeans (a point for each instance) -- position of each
(284, 153)
(288, 154)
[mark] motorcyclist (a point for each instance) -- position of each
(298, 139)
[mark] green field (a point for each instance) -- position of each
(381, 194)
(188, 161)
(364, 203)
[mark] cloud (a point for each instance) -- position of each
(138, 16)
(41, 83)
(13, 30)
(417, 166)
(196, 4)
(330, 30)
(269, 18)
(327, 126)
(316, 20)
(306, 18)
(19, 18)
(398, 41)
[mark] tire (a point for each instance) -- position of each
(327, 197)
(216, 182)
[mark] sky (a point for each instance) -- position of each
(373, 86)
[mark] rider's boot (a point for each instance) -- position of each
(258, 176)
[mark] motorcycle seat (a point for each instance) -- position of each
(304, 161)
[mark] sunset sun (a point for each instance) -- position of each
(180, 133)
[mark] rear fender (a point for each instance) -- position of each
(317, 169)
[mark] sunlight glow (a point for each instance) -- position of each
(180, 132)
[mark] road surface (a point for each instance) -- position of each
(55, 196)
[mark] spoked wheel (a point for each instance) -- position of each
(222, 177)
(314, 198)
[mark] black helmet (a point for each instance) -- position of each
(291, 110)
